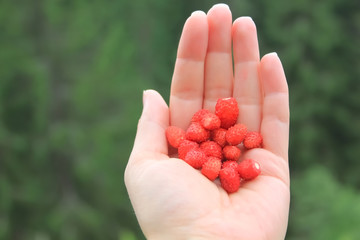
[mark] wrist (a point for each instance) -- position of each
(178, 234)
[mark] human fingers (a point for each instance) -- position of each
(218, 64)
(247, 89)
(186, 96)
(275, 113)
(150, 140)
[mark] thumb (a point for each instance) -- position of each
(150, 138)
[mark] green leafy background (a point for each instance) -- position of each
(71, 80)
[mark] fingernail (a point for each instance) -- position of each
(248, 17)
(145, 98)
(244, 18)
(198, 12)
(273, 54)
(222, 5)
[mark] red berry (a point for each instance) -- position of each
(211, 138)
(195, 158)
(229, 179)
(175, 136)
(199, 115)
(231, 153)
(197, 133)
(219, 136)
(211, 168)
(185, 146)
(236, 134)
(228, 111)
(232, 164)
(211, 149)
(253, 140)
(249, 169)
(210, 121)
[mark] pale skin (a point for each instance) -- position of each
(171, 199)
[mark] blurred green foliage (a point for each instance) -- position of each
(322, 208)
(71, 79)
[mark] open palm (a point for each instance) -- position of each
(170, 198)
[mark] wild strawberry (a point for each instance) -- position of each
(211, 138)
(211, 149)
(249, 169)
(175, 136)
(232, 164)
(231, 153)
(253, 140)
(211, 168)
(199, 115)
(195, 158)
(236, 134)
(229, 179)
(210, 121)
(197, 133)
(185, 146)
(228, 111)
(219, 136)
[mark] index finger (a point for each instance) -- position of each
(186, 96)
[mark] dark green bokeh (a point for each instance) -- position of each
(71, 80)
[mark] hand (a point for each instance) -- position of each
(170, 198)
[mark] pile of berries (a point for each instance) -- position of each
(211, 143)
